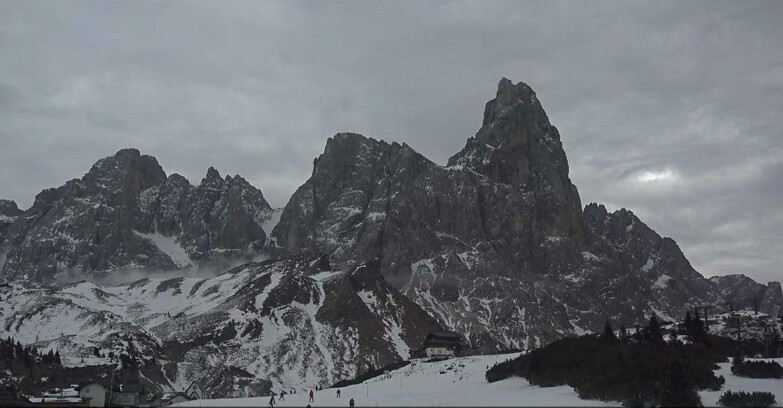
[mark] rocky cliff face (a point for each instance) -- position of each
(9, 212)
(495, 244)
(341, 209)
(125, 213)
(743, 293)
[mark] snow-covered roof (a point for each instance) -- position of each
(62, 393)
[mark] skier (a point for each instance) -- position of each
(338, 393)
(311, 396)
(272, 400)
(350, 403)
(282, 395)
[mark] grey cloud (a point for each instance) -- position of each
(689, 89)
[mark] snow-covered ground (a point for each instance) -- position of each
(461, 382)
(455, 382)
(734, 383)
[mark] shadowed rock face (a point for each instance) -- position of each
(744, 293)
(125, 213)
(495, 244)
(517, 146)
(9, 212)
(341, 209)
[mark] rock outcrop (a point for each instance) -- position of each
(9, 212)
(125, 213)
(740, 292)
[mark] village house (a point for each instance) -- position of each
(128, 395)
(60, 397)
(442, 345)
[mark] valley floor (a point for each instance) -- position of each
(460, 382)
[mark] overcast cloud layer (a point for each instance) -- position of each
(670, 109)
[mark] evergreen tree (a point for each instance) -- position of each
(688, 323)
(737, 362)
(678, 388)
(608, 332)
(653, 332)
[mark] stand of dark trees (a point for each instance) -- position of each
(756, 369)
(33, 371)
(640, 369)
(747, 399)
(25, 359)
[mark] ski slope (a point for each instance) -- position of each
(455, 382)
(461, 382)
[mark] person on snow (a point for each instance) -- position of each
(338, 393)
(311, 396)
(282, 395)
(350, 403)
(272, 400)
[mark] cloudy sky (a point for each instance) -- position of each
(673, 110)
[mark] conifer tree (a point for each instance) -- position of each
(653, 331)
(678, 388)
(608, 332)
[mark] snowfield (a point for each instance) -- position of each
(734, 383)
(461, 382)
(455, 382)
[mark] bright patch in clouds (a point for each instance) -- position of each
(667, 175)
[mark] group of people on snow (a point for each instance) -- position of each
(282, 395)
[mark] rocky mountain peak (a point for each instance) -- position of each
(518, 146)
(9, 212)
(516, 143)
(9, 208)
(212, 174)
(127, 168)
(346, 199)
(126, 213)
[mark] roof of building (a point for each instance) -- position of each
(71, 392)
(445, 334)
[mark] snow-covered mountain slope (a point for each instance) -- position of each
(290, 323)
(455, 382)
(125, 213)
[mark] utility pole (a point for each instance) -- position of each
(111, 385)
(738, 318)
